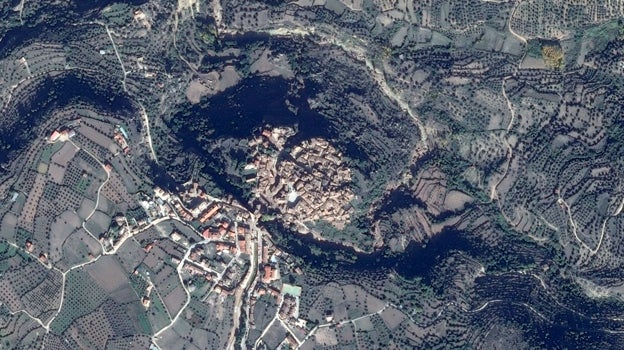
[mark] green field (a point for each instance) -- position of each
(48, 151)
(82, 185)
(22, 236)
(6, 251)
(156, 313)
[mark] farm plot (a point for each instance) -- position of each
(209, 322)
(48, 151)
(61, 228)
(135, 342)
(96, 326)
(130, 255)
(44, 299)
(37, 294)
(116, 192)
(8, 226)
(27, 216)
(106, 206)
(98, 223)
(175, 337)
(86, 207)
(82, 296)
(78, 248)
(109, 274)
(19, 331)
(108, 321)
(175, 299)
(166, 279)
(64, 155)
(97, 137)
(56, 173)
(157, 313)
(275, 335)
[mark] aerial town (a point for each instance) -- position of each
(311, 174)
(310, 183)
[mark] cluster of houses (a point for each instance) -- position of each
(311, 184)
(121, 138)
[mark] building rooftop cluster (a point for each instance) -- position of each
(121, 228)
(63, 134)
(222, 230)
(217, 262)
(290, 307)
(272, 262)
(121, 138)
(126, 225)
(204, 212)
(311, 183)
